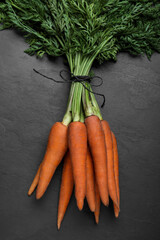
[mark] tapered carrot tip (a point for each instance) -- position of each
(106, 202)
(30, 192)
(40, 192)
(96, 218)
(116, 211)
(39, 195)
(80, 203)
(116, 214)
(92, 208)
(59, 223)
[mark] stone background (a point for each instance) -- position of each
(30, 104)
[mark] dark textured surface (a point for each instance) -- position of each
(29, 105)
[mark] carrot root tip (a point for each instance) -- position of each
(58, 225)
(80, 203)
(30, 191)
(116, 214)
(97, 219)
(92, 209)
(38, 195)
(106, 202)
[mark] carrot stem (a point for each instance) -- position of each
(95, 105)
(68, 115)
(89, 103)
(82, 114)
(76, 104)
(80, 65)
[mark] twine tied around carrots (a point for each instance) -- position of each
(77, 78)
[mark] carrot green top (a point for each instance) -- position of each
(98, 29)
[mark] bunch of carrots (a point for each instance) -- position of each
(89, 149)
(84, 32)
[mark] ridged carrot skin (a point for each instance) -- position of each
(35, 182)
(97, 146)
(66, 189)
(98, 203)
(110, 162)
(116, 171)
(90, 188)
(77, 142)
(56, 149)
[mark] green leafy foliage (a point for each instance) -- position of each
(99, 29)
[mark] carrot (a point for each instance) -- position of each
(56, 148)
(110, 162)
(35, 182)
(98, 203)
(77, 140)
(66, 188)
(90, 189)
(116, 171)
(98, 149)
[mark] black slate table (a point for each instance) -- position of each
(30, 104)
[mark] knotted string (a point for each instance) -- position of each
(77, 78)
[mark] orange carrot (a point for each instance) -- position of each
(35, 182)
(116, 171)
(56, 148)
(66, 188)
(98, 149)
(90, 189)
(77, 140)
(110, 162)
(98, 203)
